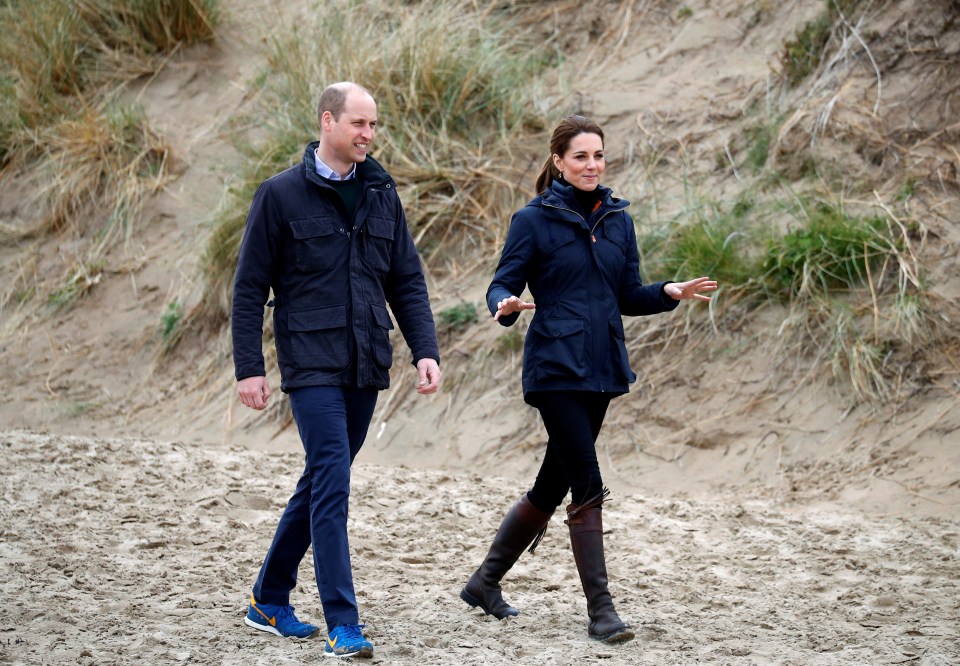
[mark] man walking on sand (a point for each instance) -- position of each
(330, 238)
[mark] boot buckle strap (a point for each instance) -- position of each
(593, 502)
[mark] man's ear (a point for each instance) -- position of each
(326, 120)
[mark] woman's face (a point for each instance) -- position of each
(582, 165)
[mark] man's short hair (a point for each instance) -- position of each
(334, 98)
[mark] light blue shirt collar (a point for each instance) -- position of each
(326, 172)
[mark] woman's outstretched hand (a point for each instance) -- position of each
(510, 305)
(679, 291)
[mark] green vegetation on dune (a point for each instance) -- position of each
(705, 238)
(802, 55)
(823, 251)
(829, 251)
(849, 284)
(456, 318)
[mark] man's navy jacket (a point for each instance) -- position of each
(332, 278)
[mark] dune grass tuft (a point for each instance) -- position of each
(457, 317)
(829, 251)
(147, 27)
(65, 125)
(103, 160)
(61, 57)
(859, 360)
(80, 279)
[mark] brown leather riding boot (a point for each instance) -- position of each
(523, 524)
(586, 538)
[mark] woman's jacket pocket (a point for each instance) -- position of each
(620, 359)
(558, 348)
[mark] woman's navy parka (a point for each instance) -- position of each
(583, 275)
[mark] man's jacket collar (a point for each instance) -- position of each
(369, 172)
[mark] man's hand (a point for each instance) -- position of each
(254, 392)
(429, 373)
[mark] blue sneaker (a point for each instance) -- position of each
(278, 620)
(348, 641)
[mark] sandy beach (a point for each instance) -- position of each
(125, 551)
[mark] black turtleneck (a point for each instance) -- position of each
(586, 201)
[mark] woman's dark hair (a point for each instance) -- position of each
(568, 128)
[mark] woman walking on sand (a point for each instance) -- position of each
(575, 246)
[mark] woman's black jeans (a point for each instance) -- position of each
(573, 420)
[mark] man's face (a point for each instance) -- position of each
(348, 138)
